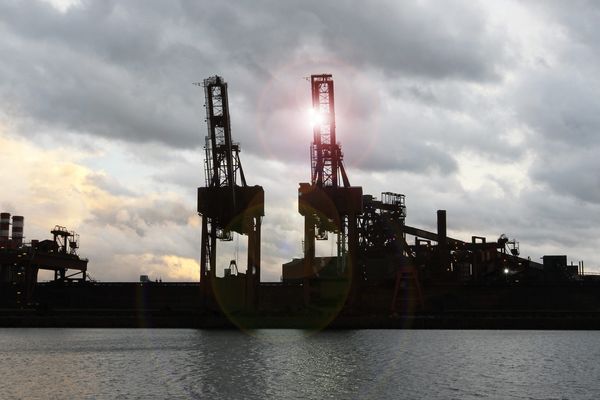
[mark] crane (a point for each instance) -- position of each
(226, 203)
(328, 203)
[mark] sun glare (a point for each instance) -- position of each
(315, 117)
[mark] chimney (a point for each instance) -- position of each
(17, 229)
(4, 226)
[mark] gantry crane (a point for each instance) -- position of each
(227, 204)
(328, 203)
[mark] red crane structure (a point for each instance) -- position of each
(328, 203)
(227, 204)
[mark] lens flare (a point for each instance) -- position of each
(315, 117)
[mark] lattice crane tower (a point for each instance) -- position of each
(227, 204)
(326, 205)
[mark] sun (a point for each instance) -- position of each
(315, 117)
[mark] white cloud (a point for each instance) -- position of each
(52, 187)
(63, 5)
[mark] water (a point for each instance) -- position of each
(288, 364)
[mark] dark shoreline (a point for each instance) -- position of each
(195, 320)
(280, 306)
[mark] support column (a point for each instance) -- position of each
(253, 269)
(204, 254)
(257, 254)
(31, 273)
(356, 273)
(309, 255)
(204, 250)
(213, 253)
(443, 251)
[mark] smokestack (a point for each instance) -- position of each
(18, 223)
(4, 226)
(443, 252)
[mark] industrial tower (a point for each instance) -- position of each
(20, 261)
(227, 204)
(326, 205)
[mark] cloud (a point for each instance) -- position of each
(124, 70)
(489, 111)
(115, 225)
(125, 233)
(561, 105)
(556, 103)
(576, 175)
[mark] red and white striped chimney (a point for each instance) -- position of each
(4, 226)
(18, 222)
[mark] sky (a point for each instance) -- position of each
(489, 110)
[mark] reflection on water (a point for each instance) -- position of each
(288, 364)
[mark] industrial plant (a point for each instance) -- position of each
(384, 273)
(20, 261)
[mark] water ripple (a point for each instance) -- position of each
(288, 364)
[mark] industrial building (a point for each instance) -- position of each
(374, 266)
(21, 260)
(382, 268)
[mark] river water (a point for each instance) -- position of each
(289, 364)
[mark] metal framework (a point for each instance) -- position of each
(379, 225)
(66, 242)
(326, 205)
(451, 260)
(326, 155)
(226, 204)
(222, 156)
(20, 262)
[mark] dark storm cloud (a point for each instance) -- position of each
(578, 18)
(570, 173)
(567, 144)
(411, 156)
(557, 100)
(123, 70)
(562, 105)
(419, 86)
(97, 69)
(419, 38)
